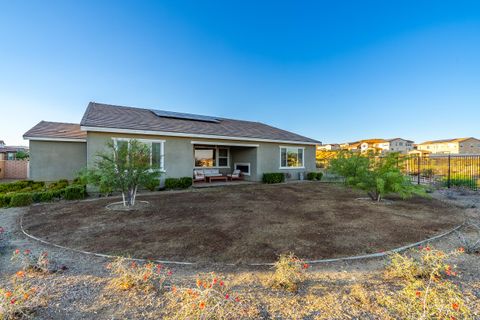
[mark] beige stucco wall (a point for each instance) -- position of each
(54, 160)
(179, 154)
(470, 146)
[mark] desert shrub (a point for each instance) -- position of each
(74, 192)
(30, 261)
(21, 199)
(273, 177)
(471, 241)
(130, 275)
(57, 185)
(311, 176)
(210, 298)
(460, 182)
(5, 200)
(180, 183)
(319, 176)
(378, 176)
(289, 273)
(428, 172)
(19, 299)
(427, 290)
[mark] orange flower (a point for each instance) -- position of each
(418, 294)
(221, 283)
(8, 294)
(305, 266)
(201, 305)
(199, 282)
(455, 306)
(25, 296)
(174, 289)
(20, 274)
(461, 249)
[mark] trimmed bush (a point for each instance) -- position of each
(5, 200)
(20, 186)
(152, 185)
(44, 196)
(57, 185)
(185, 182)
(311, 176)
(181, 183)
(319, 176)
(21, 200)
(273, 177)
(74, 193)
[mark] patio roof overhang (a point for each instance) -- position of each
(231, 144)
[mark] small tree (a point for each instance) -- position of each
(124, 168)
(378, 176)
(21, 155)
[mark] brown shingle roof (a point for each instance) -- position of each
(56, 130)
(120, 117)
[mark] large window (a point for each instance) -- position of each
(211, 156)
(291, 157)
(157, 150)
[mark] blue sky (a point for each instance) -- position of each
(331, 70)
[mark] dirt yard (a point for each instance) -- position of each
(244, 224)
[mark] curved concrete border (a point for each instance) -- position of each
(366, 256)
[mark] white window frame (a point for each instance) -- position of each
(245, 164)
(217, 156)
(149, 143)
(291, 147)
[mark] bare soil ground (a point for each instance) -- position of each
(244, 224)
(340, 290)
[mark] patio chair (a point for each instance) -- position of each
(235, 175)
(199, 175)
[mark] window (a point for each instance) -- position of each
(211, 156)
(243, 167)
(10, 156)
(291, 157)
(157, 150)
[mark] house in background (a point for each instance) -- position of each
(10, 152)
(179, 143)
(328, 147)
(396, 145)
(451, 146)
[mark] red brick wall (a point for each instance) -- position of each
(15, 169)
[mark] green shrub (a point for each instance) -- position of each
(152, 185)
(5, 200)
(311, 176)
(74, 192)
(185, 182)
(319, 176)
(57, 185)
(44, 196)
(21, 200)
(461, 182)
(273, 177)
(20, 186)
(181, 183)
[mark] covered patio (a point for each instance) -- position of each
(224, 163)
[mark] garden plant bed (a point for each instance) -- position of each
(244, 224)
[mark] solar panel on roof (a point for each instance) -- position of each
(185, 116)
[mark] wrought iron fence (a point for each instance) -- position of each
(445, 170)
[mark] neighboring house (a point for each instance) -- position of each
(379, 145)
(329, 147)
(10, 152)
(396, 145)
(452, 146)
(179, 143)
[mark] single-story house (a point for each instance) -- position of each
(180, 143)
